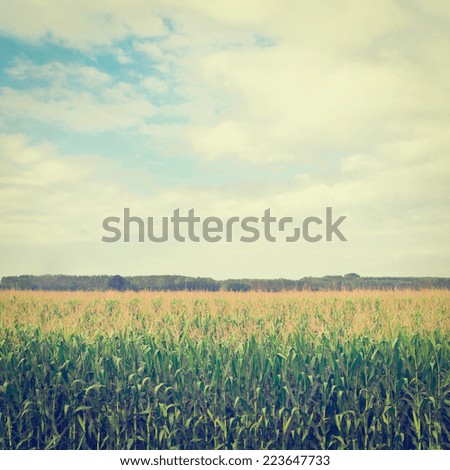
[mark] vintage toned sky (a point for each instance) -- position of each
(229, 107)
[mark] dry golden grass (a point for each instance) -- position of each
(228, 315)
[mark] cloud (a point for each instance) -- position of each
(51, 200)
(47, 197)
(292, 105)
(335, 78)
(59, 74)
(80, 24)
(77, 97)
(155, 84)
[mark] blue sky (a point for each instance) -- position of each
(229, 108)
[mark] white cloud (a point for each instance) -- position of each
(80, 98)
(348, 100)
(48, 197)
(80, 24)
(122, 57)
(436, 8)
(51, 200)
(339, 76)
(150, 48)
(59, 73)
(155, 84)
(79, 112)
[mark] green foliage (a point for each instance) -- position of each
(134, 390)
(350, 281)
(236, 286)
(117, 283)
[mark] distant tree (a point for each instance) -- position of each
(350, 281)
(117, 283)
(236, 286)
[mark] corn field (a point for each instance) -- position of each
(329, 370)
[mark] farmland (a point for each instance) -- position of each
(224, 370)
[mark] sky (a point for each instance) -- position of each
(229, 108)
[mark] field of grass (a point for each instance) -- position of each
(192, 370)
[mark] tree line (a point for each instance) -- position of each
(117, 282)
